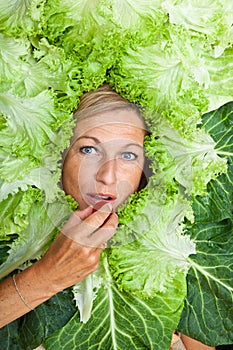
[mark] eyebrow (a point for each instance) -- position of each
(88, 137)
(98, 141)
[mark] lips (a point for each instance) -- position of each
(104, 197)
(100, 198)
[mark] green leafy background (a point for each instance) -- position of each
(210, 275)
(174, 58)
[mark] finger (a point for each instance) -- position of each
(83, 229)
(97, 218)
(75, 220)
(100, 237)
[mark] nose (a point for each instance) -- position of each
(107, 172)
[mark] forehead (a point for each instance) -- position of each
(112, 124)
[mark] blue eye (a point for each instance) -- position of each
(129, 156)
(89, 150)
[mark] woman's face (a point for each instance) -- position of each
(105, 161)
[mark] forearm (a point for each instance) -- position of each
(34, 289)
(191, 344)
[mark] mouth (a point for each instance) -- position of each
(100, 198)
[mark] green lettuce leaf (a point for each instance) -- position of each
(137, 13)
(195, 159)
(14, 212)
(175, 59)
(44, 223)
(207, 315)
(212, 18)
(16, 16)
(110, 328)
(165, 69)
(85, 292)
(13, 52)
(21, 133)
(46, 319)
(157, 250)
(178, 73)
(39, 177)
(220, 88)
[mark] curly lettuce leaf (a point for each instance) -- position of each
(40, 178)
(30, 145)
(29, 122)
(220, 87)
(46, 176)
(84, 17)
(12, 13)
(136, 13)
(176, 74)
(64, 18)
(149, 263)
(172, 68)
(31, 65)
(13, 52)
(27, 130)
(31, 243)
(163, 75)
(195, 159)
(14, 212)
(16, 17)
(212, 18)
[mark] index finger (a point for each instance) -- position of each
(79, 230)
(101, 236)
(75, 219)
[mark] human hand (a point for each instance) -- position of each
(76, 251)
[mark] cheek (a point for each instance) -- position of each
(86, 169)
(136, 177)
(70, 171)
(131, 178)
(79, 175)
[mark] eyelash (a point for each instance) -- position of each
(82, 150)
(135, 156)
(96, 151)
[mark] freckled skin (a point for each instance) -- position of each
(109, 167)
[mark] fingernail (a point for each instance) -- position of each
(106, 207)
(109, 206)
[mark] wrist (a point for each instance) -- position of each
(33, 285)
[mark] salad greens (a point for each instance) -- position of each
(169, 265)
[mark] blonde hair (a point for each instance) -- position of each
(102, 100)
